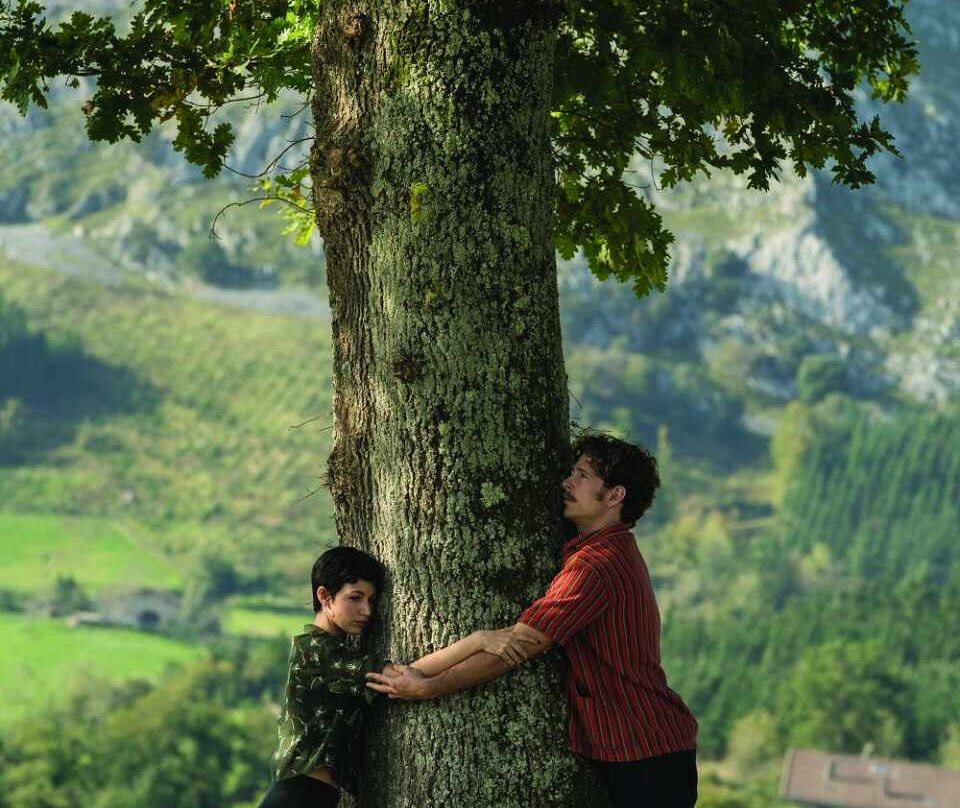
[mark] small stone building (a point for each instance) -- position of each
(141, 608)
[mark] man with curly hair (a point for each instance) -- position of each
(601, 609)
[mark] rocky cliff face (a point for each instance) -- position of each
(926, 128)
(869, 276)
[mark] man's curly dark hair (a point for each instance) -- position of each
(618, 462)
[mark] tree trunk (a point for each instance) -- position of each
(433, 187)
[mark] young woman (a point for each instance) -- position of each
(326, 701)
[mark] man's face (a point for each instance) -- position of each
(586, 499)
(352, 607)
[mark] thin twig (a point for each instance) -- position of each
(309, 494)
(213, 226)
(308, 421)
(214, 107)
(291, 115)
(272, 164)
(288, 169)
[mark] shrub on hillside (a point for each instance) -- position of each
(843, 696)
(31, 365)
(949, 753)
(50, 382)
(819, 375)
(64, 596)
(13, 323)
(211, 578)
(11, 420)
(195, 739)
(753, 746)
(621, 390)
(11, 600)
(22, 352)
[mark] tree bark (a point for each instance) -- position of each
(433, 186)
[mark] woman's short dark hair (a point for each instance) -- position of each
(344, 565)
(617, 462)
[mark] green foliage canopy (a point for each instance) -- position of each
(843, 696)
(199, 738)
(698, 85)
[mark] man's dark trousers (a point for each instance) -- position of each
(664, 781)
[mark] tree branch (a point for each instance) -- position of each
(225, 208)
(272, 164)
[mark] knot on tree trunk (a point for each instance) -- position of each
(407, 366)
(340, 184)
(340, 160)
(345, 470)
(355, 28)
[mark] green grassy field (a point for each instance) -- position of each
(263, 623)
(43, 659)
(180, 441)
(96, 552)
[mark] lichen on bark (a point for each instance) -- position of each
(434, 184)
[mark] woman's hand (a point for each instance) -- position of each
(403, 682)
(506, 644)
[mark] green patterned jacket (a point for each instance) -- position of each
(326, 701)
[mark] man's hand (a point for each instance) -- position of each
(507, 644)
(401, 682)
(407, 682)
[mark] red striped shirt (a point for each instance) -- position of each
(600, 607)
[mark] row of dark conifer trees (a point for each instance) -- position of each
(876, 502)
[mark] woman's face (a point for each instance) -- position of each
(351, 609)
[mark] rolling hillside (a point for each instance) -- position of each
(182, 422)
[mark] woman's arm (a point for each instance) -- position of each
(503, 643)
(438, 661)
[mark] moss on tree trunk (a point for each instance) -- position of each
(433, 184)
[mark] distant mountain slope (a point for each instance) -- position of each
(143, 206)
(758, 281)
(183, 419)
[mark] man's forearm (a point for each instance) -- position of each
(477, 669)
